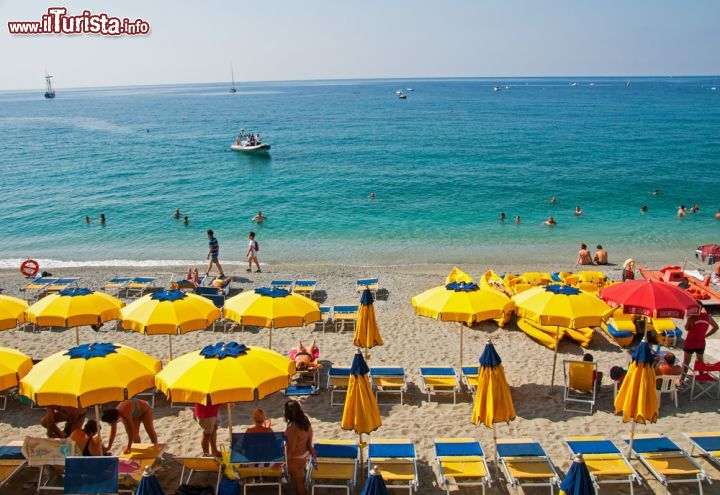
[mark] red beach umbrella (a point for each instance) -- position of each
(650, 298)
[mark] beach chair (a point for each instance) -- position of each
(218, 298)
(469, 376)
(115, 285)
(282, 284)
(461, 462)
(579, 386)
(668, 385)
(605, 462)
(92, 475)
(141, 456)
(525, 464)
(388, 380)
(138, 286)
(48, 454)
(193, 465)
(667, 332)
(36, 287)
(338, 380)
(259, 459)
(667, 462)
(367, 283)
(60, 284)
(397, 463)
(305, 287)
(337, 465)
(326, 319)
(440, 379)
(708, 443)
(344, 316)
(11, 460)
(704, 380)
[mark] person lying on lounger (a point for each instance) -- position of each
(193, 277)
(305, 357)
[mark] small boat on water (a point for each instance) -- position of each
(49, 91)
(409, 89)
(400, 94)
(249, 143)
(573, 84)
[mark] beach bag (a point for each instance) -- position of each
(228, 487)
(194, 490)
(257, 247)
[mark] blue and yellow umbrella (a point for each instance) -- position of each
(578, 480)
(367, 333)
(493, 401)
(13, 366)
(375, 484)
(361, 413)
(12, 312)
(637, 398)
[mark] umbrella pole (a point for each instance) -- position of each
(77, 336)
(557, 342)
(170, 346)
(272, 323)
(229, 412)
(632, 437)
(97, 420)
(497, 464)
(462, 330)
(360, 450)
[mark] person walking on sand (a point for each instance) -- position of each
(253, 248)
(213, 253)
(584, 257)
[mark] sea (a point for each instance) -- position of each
(443, 164)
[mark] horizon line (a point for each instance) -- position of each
(389, 78)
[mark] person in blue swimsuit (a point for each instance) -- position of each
(132, 413)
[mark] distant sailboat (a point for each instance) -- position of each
(232, 76)
(49, 91)
(627, 84)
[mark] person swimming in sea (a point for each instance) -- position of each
(717, 214)
(643, 209)
(517, 219)
(656, 192)
(102, 218)
(578, 211)
(177, 213)
(681, 211)
(186, 220)
(87, 219)
(502, 216)
(372, 195)
(550, 222)
(259, 217)
(695, 208)
(553, 200)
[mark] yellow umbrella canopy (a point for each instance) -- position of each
(561, 305)
(224, 373)
(74, 307)
(637, 398)
(493, 401)
(360, 413)
(12, 312)
(13, 366)
(367, 333)
(461, 300)
(90, 374)
(271, 308)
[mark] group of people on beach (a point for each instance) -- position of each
(213, 255)
(586, 258)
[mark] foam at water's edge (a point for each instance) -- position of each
(51, 263)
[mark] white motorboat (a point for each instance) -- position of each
(249, 143)
(497, 88)
(409, 89)
(400, 94)
(573, 84)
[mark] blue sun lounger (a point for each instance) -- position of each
(368, 283)
(281, 284)
(708, 443)
(469, 377)
(461, 462)
(138, 286)
(344, 315)
(525, 463)
(259, 458)
(605, 462)
(337, 465)
(115, 285)
(667, 462)
(397, 462)
(388, 380)
(440, 379)
(305, 287)
(11, 460)
(337, 382)
(92, 476)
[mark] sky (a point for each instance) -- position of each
(267, 40)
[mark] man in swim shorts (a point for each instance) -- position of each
(601, 256)
(213, 253)
(207, 418)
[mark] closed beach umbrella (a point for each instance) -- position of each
(375, 484)
(272, 308)
(649, 298)
(13, 366)
(493, 401)
(360, 413)
(637, 398)
(578, 480)
(461, 300)
(74, 307)
(224, 373)
(169, 312)
(367, 333)
(149, 484)
(90, 374)
(561, 306)
(12, 312)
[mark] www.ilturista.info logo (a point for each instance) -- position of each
(56, 21)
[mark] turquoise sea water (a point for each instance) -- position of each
(444, 163)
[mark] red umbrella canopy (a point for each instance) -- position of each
(649, 298)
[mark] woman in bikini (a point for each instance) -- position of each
(132, 412)
(299, 437)
(305, 357)
(87, 439)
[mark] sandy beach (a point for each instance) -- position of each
(410, 341)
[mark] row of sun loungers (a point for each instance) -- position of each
(42, 286)
(129, 287)
(259, 460)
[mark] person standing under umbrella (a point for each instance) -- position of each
(299, 435)
(698, 327)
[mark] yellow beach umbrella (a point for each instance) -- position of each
(637, 398)
(12, 312)
(461, 300)
(360, 413)
(224, 373)
(561, 306)
(271, 308)
(493, 401)
(367, 333)
(169, 312)
(13, 366)
(74, 307)
(90, 374)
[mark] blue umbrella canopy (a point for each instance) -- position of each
(375, 484)
(577, 481)
(149, 485)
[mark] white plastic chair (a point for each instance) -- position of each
(668, 385)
